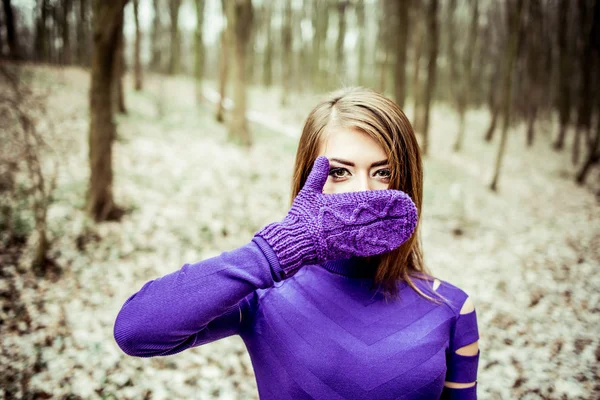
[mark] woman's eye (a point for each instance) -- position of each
(386, 173)
(337, 172)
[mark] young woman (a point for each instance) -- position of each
(333, 301)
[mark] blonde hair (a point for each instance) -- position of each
(383, 120)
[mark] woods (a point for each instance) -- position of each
(139, 134)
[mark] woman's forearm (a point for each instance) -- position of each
(169, 314)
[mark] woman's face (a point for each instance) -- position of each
(356, 162)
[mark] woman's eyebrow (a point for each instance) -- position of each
(351, 164)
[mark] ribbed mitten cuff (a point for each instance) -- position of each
(293, 244)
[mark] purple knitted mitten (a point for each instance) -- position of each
(321, 227)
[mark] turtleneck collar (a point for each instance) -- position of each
(354, 267)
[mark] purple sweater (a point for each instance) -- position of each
(320, 334)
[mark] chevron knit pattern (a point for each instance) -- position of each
(321, 227)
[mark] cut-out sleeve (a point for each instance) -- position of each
(462, 369)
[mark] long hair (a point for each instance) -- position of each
(383, 120)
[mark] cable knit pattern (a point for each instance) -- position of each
(321, 227)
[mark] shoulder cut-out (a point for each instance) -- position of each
(468, 306)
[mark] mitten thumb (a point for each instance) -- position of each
(318, 175)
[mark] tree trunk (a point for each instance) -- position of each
(137, 64)
(514, 21)
(224, 55)
(534, 70)
(362, 46)
(83, 33)
(383, 42)
(155, 38)
(564, 74)
(240, 16)
(586, 65)
(401, 10)
(464, 94)
(42, 34)
(66, 32)
(320, 23)
(339, 45)
(433, 25)
(286, 59)
(11, 35)
(106, 28)
(119, 69)
(416, 80)
(199, 50)
(268, 55)
(175, 59)
(453, 83)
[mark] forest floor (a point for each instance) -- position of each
(528, 255)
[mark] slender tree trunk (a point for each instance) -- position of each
(137, 66)
(83, 33)
(564, 77)
(66, 33)
(268, 56)
(240, 14)
(106, 17)
(464, 95)
(417, 56)
(175, 45)
(320, 22)
(223, 71)
(587, 65)
(342, 5)
(11, 35)
(286, 53)
(402, 28)
(432, 21)
(514, 20)
(199, 49)
(362, 46)
(119, 68)
(383, 42)
(451, 50)
(155, 38)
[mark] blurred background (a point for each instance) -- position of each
(140, 135)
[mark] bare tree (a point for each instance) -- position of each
(156, 59)
(286, 54)
(11, 35)
(342, 5)
(66, 57)
(564, 74)
(464, 90)
(587, 64)
(224, 55)
(320, 24)
(24, 147)
(417, 57)
(593, 155)
(362, 40)
(137, 65)
(433, 40)
(83, 33)
(514, 22)
(199, 49)
(106, 28)
(239, 14)
(401, 24)
(175, 44)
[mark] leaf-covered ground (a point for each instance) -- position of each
(528, 255)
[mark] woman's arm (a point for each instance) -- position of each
(463, 356)
(197, 304)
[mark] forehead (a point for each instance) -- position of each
(350, 144)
